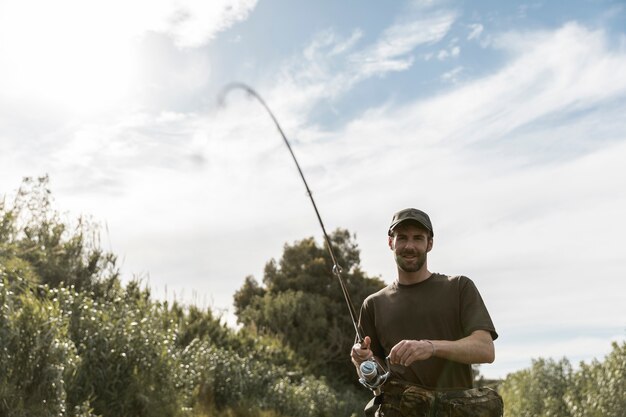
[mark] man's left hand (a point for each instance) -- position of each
(408, 351)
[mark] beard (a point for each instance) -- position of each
(412, 265)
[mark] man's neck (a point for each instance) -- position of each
(408, 278)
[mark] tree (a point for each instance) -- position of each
(550, 388)
(301, 302)
(37, 246)
(598, 389)
(538, 391)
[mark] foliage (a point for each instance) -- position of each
(223, 378)
(36, 359)
(301, 303)
(74, 341)
(538, 391)
(599, 388)
(127, 353)
(37, 246)
(67, 353)
(551, 388)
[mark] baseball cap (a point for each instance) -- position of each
(411, 214)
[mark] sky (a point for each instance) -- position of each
(504, 121)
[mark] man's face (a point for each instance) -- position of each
(410, 243)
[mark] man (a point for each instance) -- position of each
(430, 326)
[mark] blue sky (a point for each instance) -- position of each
(503, 120)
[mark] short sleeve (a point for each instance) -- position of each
(367, 324)
(474, 314)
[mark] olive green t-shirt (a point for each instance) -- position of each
(439, 308)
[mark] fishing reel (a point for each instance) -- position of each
(373, 375)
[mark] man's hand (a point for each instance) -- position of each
(361, 351)
(408, 351)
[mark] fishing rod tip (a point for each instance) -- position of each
(221, 98)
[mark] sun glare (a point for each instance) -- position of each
(52, 57)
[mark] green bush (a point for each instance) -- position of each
(67, 353)
(127, 363)
(223, 379)
(37, 358)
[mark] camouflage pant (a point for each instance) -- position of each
(413, 401)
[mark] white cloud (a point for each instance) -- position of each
(390, 53)
(341, 47)
(452, 75)
(332, 66)
(453, 52)
(566, 70)
(476, 29)
(193, 23)
(523, 9)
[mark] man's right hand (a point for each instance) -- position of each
(361, 351)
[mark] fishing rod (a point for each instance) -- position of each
(373, 375)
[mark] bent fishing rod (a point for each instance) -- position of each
(373, 375)
(336, 267)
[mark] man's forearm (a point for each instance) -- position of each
(475, 348)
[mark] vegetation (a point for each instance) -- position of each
(75, 341)
(553, 388)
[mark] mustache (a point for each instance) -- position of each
(409, 252)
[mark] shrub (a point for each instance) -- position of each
(127, 363)
(37, 358)
(221, 379)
